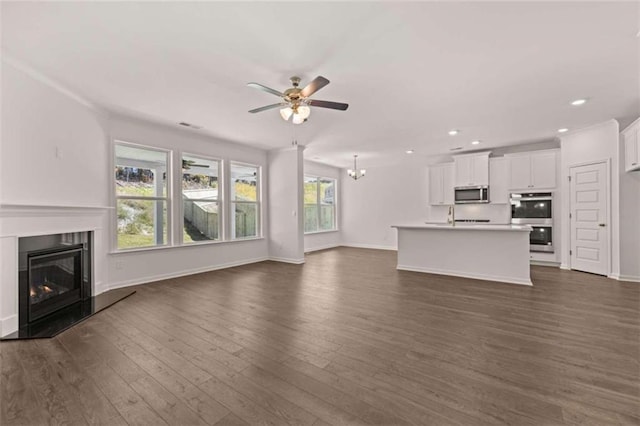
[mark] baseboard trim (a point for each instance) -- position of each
(565, 267)
(629, 278)
(287, 260)
(370, 246)
(544, 263)
(8, 325)
(153, 278)
(318, 248)
(497, 278)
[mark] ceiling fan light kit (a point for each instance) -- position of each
(295, 101)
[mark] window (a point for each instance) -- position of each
(142, 197)
(245, 201)
(319, 204)
(200, 199)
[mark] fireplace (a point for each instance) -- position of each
(54, 274)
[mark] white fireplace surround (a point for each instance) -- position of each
(22, 220)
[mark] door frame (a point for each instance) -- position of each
(608, 199)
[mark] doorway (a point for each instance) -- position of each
(589, 191)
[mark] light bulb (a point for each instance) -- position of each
(297, 119)
(363, 172)
(285, 113)
(304, 111)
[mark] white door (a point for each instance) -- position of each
(589, 224)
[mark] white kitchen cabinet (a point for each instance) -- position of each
(532, 170)
(498, 177)
(441, 184)
(472, 169)
(631, 136)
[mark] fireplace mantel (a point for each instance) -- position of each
(8, 210)
(23, 220)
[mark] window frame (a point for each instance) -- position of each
(232, 202)
(219, 200)
(319, 204)
(167, 197)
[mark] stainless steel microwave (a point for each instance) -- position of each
(471, 194)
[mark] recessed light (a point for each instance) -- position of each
(409, 151)
(475, 143)
(563, 130)
(454, 132)
(579, 102)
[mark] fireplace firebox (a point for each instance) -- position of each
(55, 273)
(53, 280)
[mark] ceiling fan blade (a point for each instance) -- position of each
(318, 83)
(327, 104)
(266, 89)
(264, 108)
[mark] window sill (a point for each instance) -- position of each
(321, 232)
(167, 247)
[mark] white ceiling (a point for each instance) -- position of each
(500, 72)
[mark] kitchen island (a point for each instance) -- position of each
(485, 252)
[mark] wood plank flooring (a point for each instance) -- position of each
(344, 339)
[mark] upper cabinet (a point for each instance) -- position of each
(441, 184)
(631, 137)
(498, 188)
(532, 170)
(471, 169)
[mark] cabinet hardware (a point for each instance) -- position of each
(602, 225)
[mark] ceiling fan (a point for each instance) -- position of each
(296, 102)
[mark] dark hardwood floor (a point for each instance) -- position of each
(343, 339)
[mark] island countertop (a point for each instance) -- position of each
(471, 250)
(465, 227)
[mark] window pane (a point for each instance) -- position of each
(327, 217)
(310, 190)
(140, 172)
(200, 184)
(201, 220)
(244, 183)
(310, 217)
(200, 176)
(327, 191)
(245, 220)
(141, 223)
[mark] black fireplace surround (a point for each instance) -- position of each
(55, 285)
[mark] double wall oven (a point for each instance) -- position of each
(536, 210)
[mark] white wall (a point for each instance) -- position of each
(286, 224)
(127, 268)
(386, 196)
(56, 150)
(329, 239)
(629, 220)
(593, 144)
(53, 146)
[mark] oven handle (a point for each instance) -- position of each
(513, 200)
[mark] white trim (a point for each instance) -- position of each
(484, 277)
(22, 210)
(318, 248)
(544, 263)
(287, 260)
(153, 278)
(8, 325)
(38, 76)
(371, 246)
(565, 267)
(629, 278)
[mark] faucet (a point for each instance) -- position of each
(451, 216)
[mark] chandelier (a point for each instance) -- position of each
(355, 173)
